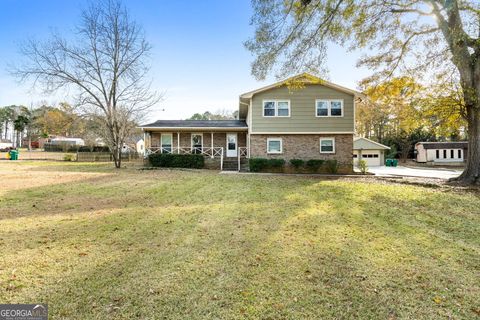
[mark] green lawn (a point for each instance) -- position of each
(95, 243)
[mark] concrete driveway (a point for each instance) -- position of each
(439, 173)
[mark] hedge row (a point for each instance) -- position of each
(170, 160)
(48, 147)
(313, 165)
(93, 149)
(260, 164)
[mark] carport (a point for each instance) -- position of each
(370, 151)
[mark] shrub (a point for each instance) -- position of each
(314, 164)
(68, 157)
(257, 164)
(176, 160)
(260, 164)
(297, 163)
(93, 149)
(332, 166)
(362, 165)
(275, 163)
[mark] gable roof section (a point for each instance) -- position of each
(196, 124)
(360, 143)
(304, 78)
(444, 145)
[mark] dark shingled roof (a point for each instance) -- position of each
(197, 124)
(445, 145)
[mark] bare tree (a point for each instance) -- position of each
(105, 64)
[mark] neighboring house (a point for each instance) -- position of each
(303, 117)
(441, 153)
(140, 146)
(67, 141)
(5, 144)
(370, 151)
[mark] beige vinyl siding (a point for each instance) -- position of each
(302, 111)
(363, 144)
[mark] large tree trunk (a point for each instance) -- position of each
(117, 156)
(471, 174)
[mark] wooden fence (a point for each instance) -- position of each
(106, 157)
(68, 156)
(41, 155)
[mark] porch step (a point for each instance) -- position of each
(232, 165)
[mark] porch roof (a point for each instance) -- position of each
(184, 125)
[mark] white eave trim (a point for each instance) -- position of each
(319, 132)
(195, 128)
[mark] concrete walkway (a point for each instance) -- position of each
(438, 173)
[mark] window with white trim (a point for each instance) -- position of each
(328, 108)
(336, 108)
(276, 108)
(322, 108)
(327, 145)
(269, 108)
(274, 145)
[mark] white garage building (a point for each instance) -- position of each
(370, 151)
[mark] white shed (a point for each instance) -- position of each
(441, 153)
(4, 144)
(370, 151)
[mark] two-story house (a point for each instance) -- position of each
(303, 117)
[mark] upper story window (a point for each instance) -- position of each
(329, 108)
(276, 108)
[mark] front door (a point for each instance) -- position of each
(231, 144)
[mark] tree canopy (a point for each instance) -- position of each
(436, 40)
(218, 115)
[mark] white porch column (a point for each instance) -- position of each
(248, 145)
(148, 140)
(144, 143)
(178, 142)
(211, 142)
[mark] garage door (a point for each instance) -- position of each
(371, 157)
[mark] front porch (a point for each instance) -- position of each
(223, 150)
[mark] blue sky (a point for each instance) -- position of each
(198, 58)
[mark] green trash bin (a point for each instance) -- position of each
(394, 162)
(388, 162)
(13, 155)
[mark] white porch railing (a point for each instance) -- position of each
(242, 152)
(206, 151)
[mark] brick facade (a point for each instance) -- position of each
(304, 146)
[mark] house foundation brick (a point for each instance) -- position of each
(305, 147)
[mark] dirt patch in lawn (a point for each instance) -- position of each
(16, 177)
